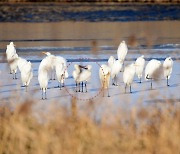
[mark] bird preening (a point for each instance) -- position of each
(55, 67)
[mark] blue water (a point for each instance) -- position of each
(54, 12)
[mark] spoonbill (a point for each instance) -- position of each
(152, 70)
(26, 74)
(115, 66)
(43, 75)
(122, 51)
(140, 67)
(12, 58)
(51, 60)
(128, 76)
(61, 70)
(104, 75)
(167, 68)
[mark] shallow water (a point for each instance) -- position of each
(94, 41)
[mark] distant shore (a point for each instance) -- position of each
(98, 1)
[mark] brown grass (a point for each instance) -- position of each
(63, 130)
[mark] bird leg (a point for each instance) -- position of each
(167, 81)
(45, 93)
(26, 87)
(130, 89)
(86, 86)
(116, 80)
(82, 87)
(79, 86)
(140, 80)
(15, 76)
(76, 86)
(122, 69)
(60, 85)
(108, 92)
(125, 88)
(42, 94)
(151, 83)
(151, 80)
(54, 76)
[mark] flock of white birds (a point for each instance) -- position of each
(52, 66)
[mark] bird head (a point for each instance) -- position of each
(47, 53)
(123, 41)
(89, 67)
(169, 58)
(11, 43)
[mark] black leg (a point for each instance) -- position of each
(42, 94)
(130, 89)
(113, 81)
(15, 76)
(54, 76)
(151, 83)
(125, 88)
(82, 87)
(76, 86)
(108, 92)
(26, 87)
(167, 81)
(86, 86)
(79, 86)
(140, 80)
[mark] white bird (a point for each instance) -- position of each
(85, 76)
(82, 74)
(122, 51)
(43, 75)
(10, 51)
(115, 66)
(21, 62)
(12, 58)
(167, 68)
(140, 66)
(61, 70)
(75, 75)
(128, 75)
(104, 75)
(152, 70)
(26, 71)
(26, 74)
(111, 61)
(51, 62)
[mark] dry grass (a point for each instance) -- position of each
(62, 130)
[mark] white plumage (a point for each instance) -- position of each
(26, 74)
(12, 58)
(75, 74)
(50, 63)
(82, 74)
(43, 75)
(153, 70)
(104, 75)
(128, 75)
(115, 66)
(122, 51)
(140, 62)
(21, 62)
(61, 69)
(167, 68)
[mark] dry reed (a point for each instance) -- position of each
(65, 130)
